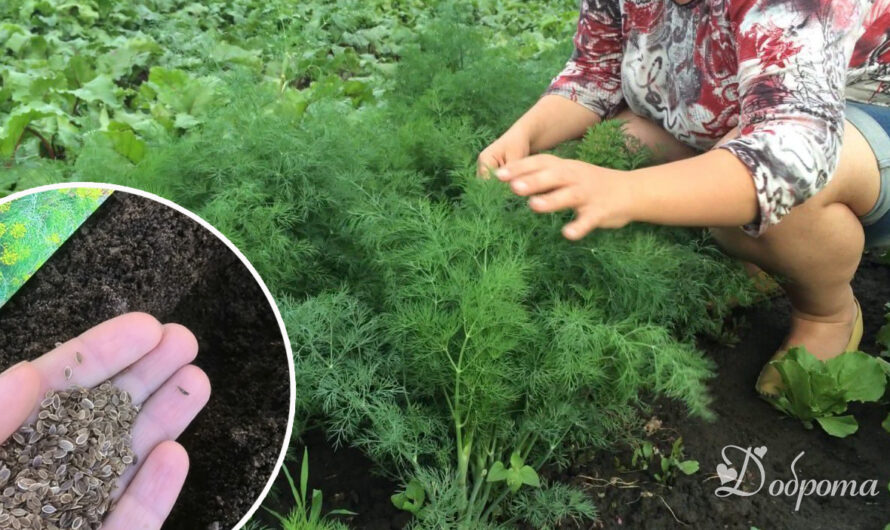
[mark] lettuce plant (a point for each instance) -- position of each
(817, 391)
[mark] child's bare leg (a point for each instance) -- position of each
(816, 249)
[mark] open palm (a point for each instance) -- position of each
(149, 360)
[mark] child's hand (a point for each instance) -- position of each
(513, 145)
(600, 197)
(152, 363)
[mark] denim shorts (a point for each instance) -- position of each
(873, 121)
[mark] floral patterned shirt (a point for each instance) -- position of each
(781, 70)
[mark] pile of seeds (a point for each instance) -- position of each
(59, 472)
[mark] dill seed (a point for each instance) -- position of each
(183, 391)
(68, 373)
(60, 471)
(78, 358)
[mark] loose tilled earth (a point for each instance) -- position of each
(636, 500)
(137, 255)
(60, 471)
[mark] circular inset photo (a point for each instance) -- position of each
(145, 373)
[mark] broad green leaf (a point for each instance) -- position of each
(292, 104)
(136, 52)
(14, 37)
(497, 472)
(859, 376)
(182, 93)
(102, 88)
(33, 86)
(412, 499)
(19, 120)
(186, 121)
(224, 52)
(142, 124)
(688, 467)
(80, 70)
(529, 477)
(125, 142)
(82, 10)
(886, 423)
(840, 426)
(415, 491)
(796, 387)
(516, 460)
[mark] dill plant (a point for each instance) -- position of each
(492, 345)
(437, 324)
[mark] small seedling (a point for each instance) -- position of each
(412, 499)
(668, 465)
(306, 515)
(517, 475)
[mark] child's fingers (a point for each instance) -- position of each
(541, 181)
(148, 500)
(99, 353)
(581, 226)
(19, 395)
(487, 163)
(530, 164)
(560, 199)
(167, 413)
(178, 347)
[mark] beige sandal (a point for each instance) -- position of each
(769, 382)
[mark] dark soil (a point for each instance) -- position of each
(135, 254)
(743, 419)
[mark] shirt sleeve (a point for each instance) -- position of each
(592, 77)
(793, 57)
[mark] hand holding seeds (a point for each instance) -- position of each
(63, 442)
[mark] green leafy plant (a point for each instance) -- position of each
(142, 71)
(609, 146)
(668, 465)
(883, 336)
(438, 325)
(307, 514)
(816, 391)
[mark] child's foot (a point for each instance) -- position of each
(824, 337)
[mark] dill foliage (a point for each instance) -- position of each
(437, 324)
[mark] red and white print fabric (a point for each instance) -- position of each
(780, 70)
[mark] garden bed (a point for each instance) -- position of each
(348, 481)
(135, 254)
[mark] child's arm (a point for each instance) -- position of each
(713, 189)
(587, 90)
(553, 120)
(791, 92)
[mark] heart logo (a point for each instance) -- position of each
(760, 451)
(726, 474)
